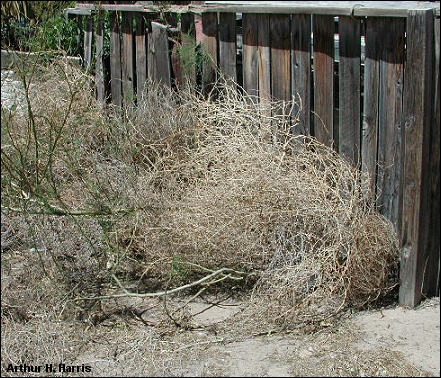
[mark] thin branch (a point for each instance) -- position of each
(163, 293)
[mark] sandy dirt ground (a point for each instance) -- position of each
(393, 341)
(370, 343)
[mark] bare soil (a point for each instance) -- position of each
(392, 341)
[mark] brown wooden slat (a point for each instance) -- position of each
(227, 46)
(390, 160)
(141, 54)
(159, 69)
(323, 121)
(127, 71)
(349, 89)
(264, 62)
(99, 69)
(431, 280)
(369, 138)
(115, 60)
(250, 65)
(301, 71)
(418, 102)
(280, 27)
(210, 53)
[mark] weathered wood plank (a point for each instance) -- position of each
(159, 69)
(418, 103)
(115, 60)
(250, 61)
(323, 121)
(88, 30)
(349, 89)
(127, 52)
(99, 69)
(431, 279)
(369, 138)
(301, 71)
(141, 54)
(390, 159)
(227, 46)
(280, 27)
(337, 8)
(264, 61)
(209, 49)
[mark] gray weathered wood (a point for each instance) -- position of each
(431, 279)
(250, 61)
(301, 71)
(418, 102)
(337, 8)
(389, 172)
(141, 54)
(280, 27)
(209, 49)
(369, 138)
(127, 71)
(349, 89)
(88, 42)
(99, 69)
(227, 46)
(159, 69)
(264, 60)
(323, 122)
(115, 60)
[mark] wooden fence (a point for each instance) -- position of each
(367, 74)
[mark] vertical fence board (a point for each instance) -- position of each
(280, 56)
(159, 69)
(431, 280)
(88, 42)
(323, 28)
(209, 43)
(250, 62)
(227, 46)
(115, 60)
(369, 139)
(389, 171)
(264, 62)
(301, 70)
(99, 69)
(418, 102)
(127, 72)
(349, 89)
(141, 54)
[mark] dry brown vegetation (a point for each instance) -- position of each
(165, 203)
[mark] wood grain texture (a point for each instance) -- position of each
(323, 120)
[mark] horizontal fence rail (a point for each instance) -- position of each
(366, 76)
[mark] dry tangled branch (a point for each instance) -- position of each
(226, 184)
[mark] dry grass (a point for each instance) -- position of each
(169, 192)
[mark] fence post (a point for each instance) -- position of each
(417, 252)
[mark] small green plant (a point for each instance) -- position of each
(57, 33)
(177, 266)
